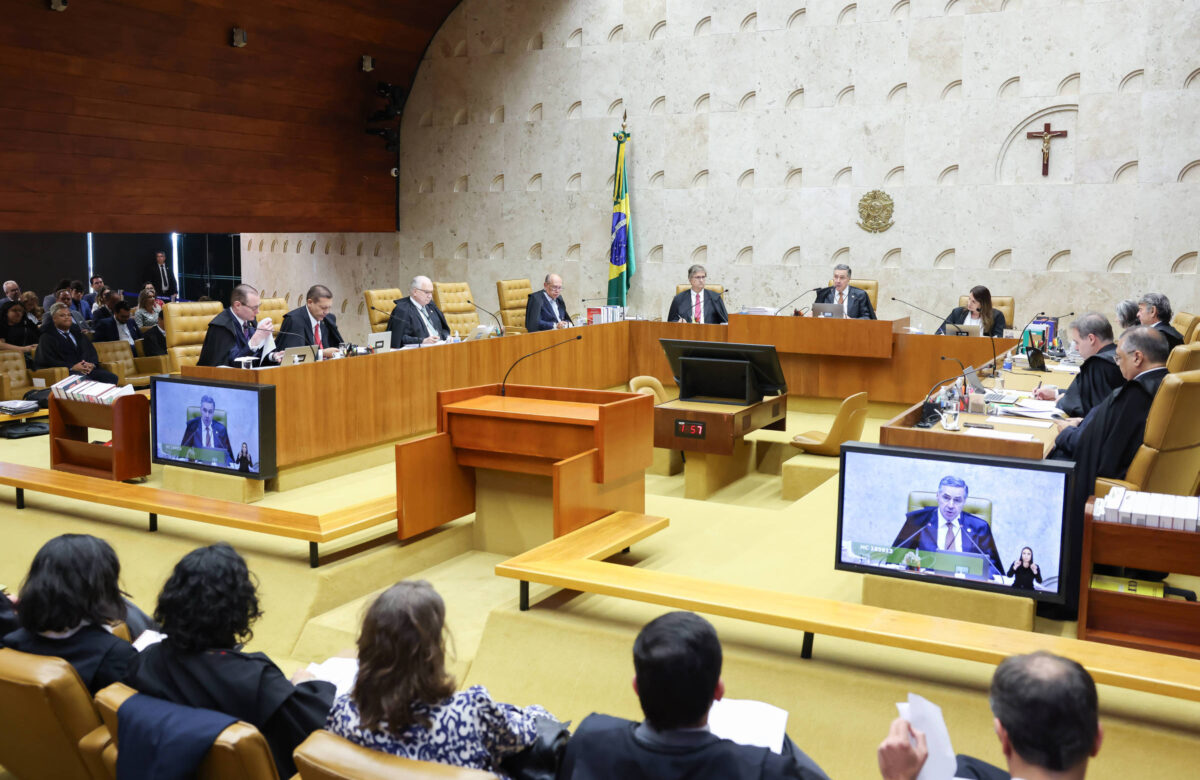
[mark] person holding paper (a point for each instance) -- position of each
(677, 677)
(947, 527)
(313, 324)
(1046, 716)
(236, 333)
(1098, 375)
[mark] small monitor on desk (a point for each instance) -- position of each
(950, 518)
(835, 311)
(720, 372)
(380, 342)
(963, 330)
(226, 427)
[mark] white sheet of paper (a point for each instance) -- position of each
(926, 716)
(147, 638)
(340, 671)
(1066, 368)
(749, 722)
(38, 382)
(1014, 421)
(1038, 405)
(999, 434)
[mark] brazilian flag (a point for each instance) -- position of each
(621, 266)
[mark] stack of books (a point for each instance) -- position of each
(80, 388)
(1152, 510)
(598, 315)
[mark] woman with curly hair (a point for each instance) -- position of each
(206, 609)
(68, 602)
(403, 701)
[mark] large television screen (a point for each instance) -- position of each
(976, 521)
(224, 427)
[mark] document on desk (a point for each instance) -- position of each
(1010, 435)
(1066, 368)
(749, 722)
(927, 717)
(1011, 421)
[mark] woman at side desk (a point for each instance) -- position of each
(978, 311)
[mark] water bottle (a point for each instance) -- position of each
(454, 339)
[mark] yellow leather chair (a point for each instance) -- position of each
(453, 299)
(649, 385)
(45, 710)
(717, 288)
(1185, 357)
(326, 756)
(117, 357)
(238, 753)
(274, 308)
(847, 426)
(1004, 303)
(1185, 323)
(869, 286)
(16, 379)
(379, 306)
(980, 507)
(513, 294)
(1169, 459)
(186, 324)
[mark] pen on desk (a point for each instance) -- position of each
(1039, 386)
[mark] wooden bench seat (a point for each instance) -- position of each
(571, 562)
(313, 529)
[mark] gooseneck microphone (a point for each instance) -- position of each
(798, 297)
(929, 412)
(593, 300)
(986, 557)
(499, 325)
(910, 537)
(531, 354)
(1021, 335)
(925, 311)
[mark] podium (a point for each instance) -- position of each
(592, 447)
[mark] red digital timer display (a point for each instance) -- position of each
(690, 429)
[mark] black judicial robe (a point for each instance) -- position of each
(54, 350)
(225, 342)
(247, 686)
(99, 657)
(154, 342)
(1174, 337)
(1098, 377)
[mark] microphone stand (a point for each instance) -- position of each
(531, 354)
(798, 297)
(924, 311)
(928, 411)
(499, 325)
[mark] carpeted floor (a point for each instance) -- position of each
(572, 652)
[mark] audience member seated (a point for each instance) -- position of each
(17, 333)
(154, 341)
(147, 309)
(52, 298)
(63, 296)
(119, 327)
(855, 302)
(416, 319)
(68, 600)
(12, 290)
(89, 300)
(677, 676)
(77, 304)
(545, 310)
(1046, 718)
(1154, 311)
(206, 609)
(102, 308)
(978, 311)
(1098, 375)
(698, 304)
(236, 333)
(404, 702)
(33, 308)
(64, 345)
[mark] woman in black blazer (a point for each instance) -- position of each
(978, 311)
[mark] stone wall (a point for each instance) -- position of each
(758, 126)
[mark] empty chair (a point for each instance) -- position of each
(117, 357)
(1185, 323)
(650, 386)
(513, 295)
(16, 379)
(847, 426)
(1185, 357)
(454, 299)
(326, 756)
(379, 306)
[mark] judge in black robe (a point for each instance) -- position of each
(1098, 376)
(99, 657)
(227, 340)
(247, 686)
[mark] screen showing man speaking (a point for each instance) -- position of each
(216, 426)
(992, 522)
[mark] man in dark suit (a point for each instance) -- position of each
(154, 341)
(948, 528)
(698, 304)
(119, 327)
(1099, 373)
(415, 320)
(235, 333)
(64, 345)
(677, 676)
(89, 300)
(64, 296)
(545, 310)
(204, 431)
(162, 276)
(856, 302)
(312, 325)
(1154, 311)
(1045, 713)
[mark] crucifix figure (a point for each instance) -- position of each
(1046, 134)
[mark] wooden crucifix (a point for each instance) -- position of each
(1046, 134)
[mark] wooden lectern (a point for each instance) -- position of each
(594, 445)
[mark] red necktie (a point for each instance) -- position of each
(696, 316)
(949, 545)
(841, 298)
(317, 335)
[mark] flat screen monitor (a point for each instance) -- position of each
(956, 519)
(224, 427)
(762, 358)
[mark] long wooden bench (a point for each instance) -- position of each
(313, 529)
(574, 561)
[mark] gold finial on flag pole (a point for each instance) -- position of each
(624, 118)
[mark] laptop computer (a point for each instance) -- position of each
(295, 355)
(834, 310)
(380, 342)
(963, 330)
(480, 332)
(989, 396)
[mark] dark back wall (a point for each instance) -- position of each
(138, 116)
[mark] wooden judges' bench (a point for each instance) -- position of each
(339, 406)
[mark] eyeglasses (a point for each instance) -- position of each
(427, 292)
(554, 287)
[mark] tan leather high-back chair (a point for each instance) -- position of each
(186, 325)
(240, 752)
(379, 306)
(453, 298)
(1003, 303)
(717, 288)
(974, 505)
(274, 308)
(1185, 357)
(1185, 323)
(869, 286)
(847, 426)
(513, 294)
(326, 756)
(45, 709)
(1169, 459)
(649, 385)
(117, 357)
(16, 379)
